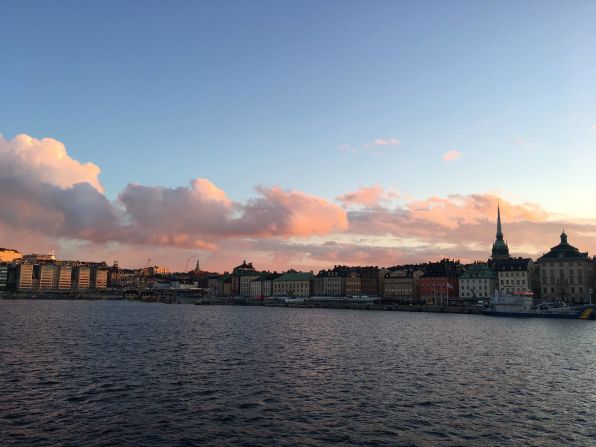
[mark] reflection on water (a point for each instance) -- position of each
(118, 373)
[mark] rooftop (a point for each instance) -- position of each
(563, 251)
(295, 276)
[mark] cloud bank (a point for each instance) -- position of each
(49, 196)
(47, 192)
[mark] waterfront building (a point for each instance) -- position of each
(256, 289)
(332, 282)
(267, 285)
(262, 286)
(46, 276)
(565, 273)
(117, 278)
(477, 282)
(500, 249)
(245, 282)
(24, 277)
(353, 284)
(369, 280)
(226, 286)
(212, 285)
(64, 277)
(9, 255)
(98, 278)
(81, 278)
(401, 285)
(293, 284)
(243, 270)
(514, 275)
(440, 281)
(220, 285)
(3, 276)
(317, 285)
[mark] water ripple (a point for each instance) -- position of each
(120, 373)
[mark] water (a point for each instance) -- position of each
(77, 373)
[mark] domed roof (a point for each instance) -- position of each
(564, 250)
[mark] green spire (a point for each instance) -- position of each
(500, 249)
(499, 231)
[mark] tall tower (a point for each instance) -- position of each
(500, 248)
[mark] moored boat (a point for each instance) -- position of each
(524, 305)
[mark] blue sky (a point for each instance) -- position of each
(265, 92)
(289, 93)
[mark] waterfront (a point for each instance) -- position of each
(127, 373)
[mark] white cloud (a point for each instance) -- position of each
(377, 142)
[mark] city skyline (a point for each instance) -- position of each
(252, 131)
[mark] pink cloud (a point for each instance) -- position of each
(45, 161)
(369, 196)
(51, 200)
(48, 192)
(452, 155)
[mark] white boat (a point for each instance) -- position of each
(524, 305)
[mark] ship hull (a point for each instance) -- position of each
(587, 313)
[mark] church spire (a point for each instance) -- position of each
(500, 248)
(499, 230)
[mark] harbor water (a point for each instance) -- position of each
(105, 373)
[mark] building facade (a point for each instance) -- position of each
(245, 269)
(3, 276)
(477, 282)
(353, 284)
(369, 280)
(334, 283)
(81, 277)
(440, 281)
(565, 273)
(514, 275)
(46, 276)
(64, 278)
(245, 282)
(401, 285)
(293, 284)
(24, 277)
(98, 279)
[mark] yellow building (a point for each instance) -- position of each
(9, 255)
(99, 278)
(24, 277)
(353, 284)
(81, 277)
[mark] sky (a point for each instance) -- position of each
(296, 134)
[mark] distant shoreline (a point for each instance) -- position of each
(330, 305)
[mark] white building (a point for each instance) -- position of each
(245, 282)
(514, 275)
(478, 281)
